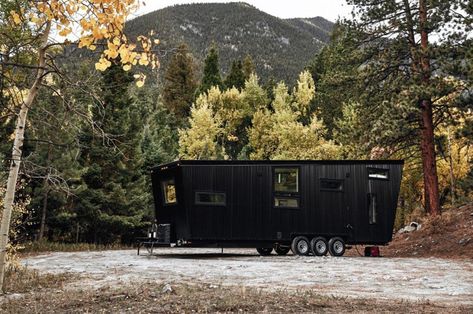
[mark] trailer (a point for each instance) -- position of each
(310, 207)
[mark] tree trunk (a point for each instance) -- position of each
(43, 210)
(452, 173)
(45, 198)
(429, 164)
(17, 152)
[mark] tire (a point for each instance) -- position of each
(336, 246)
(300, 246)
(319, 246)
(281, 250)
(264, 251)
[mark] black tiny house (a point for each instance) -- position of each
(316, 206)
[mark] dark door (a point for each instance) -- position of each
(169, 201)
(332, 189)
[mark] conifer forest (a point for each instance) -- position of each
(84, 120)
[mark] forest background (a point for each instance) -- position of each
(93, 134)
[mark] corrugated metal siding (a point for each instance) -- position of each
(250, 214)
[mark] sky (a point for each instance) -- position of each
(329, 9)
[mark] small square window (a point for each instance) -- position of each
(288, 202)
(169, 189)
(286, 180)
(331, 185)
(378, 173)
(210, 198)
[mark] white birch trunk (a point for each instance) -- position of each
(17, 151)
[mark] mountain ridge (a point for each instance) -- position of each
(280, 47)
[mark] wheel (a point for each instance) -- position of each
(264, 251)
(281, 250)
(336, 246)
(319, 246)
(300, 246)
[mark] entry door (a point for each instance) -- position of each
(332, 188)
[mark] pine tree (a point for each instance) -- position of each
(335, 76)
(111, 206)
(398, 73)
(248, 67)
(180, 83)
(211, 71)
(236, 77)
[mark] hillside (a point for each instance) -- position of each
(448, 236)
(281, 48)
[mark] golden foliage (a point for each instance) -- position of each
(92, 23)
(280, 134)
(199, 141)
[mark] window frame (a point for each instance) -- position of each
(376, 178)
(372, 208)
(297, 199)
(286, 195)
(340, 190)
(164, 183)
(199, 203)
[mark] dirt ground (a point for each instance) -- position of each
(448, 236)
(441, 281)
(429, 270)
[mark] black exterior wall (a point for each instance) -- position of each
(335, 198)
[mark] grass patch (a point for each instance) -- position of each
(158, 298)
(22, 279)
(47, 246)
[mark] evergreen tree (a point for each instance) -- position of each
(211, 71)
(248, 67)
(269, 87)
(180, 83)
(236, 77)
(111, 206)
(335, 73)
(396, 68)
(160, 130)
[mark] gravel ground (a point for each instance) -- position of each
(417, 279)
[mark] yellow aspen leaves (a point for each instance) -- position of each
(66, 31)
(143, 59)
(102, 64)
(98, 24)
(16, 17)
(140, 79)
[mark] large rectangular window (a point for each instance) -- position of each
(286, 180)
(286, 187)
(331, 185)
(210, 198)
(378, 173)
(169, 191)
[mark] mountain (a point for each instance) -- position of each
(280, 47)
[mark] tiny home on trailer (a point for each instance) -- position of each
(304, 206)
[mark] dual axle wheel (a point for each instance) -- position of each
(318, 246)
(301, 245)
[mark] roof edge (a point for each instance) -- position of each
(275, 162)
